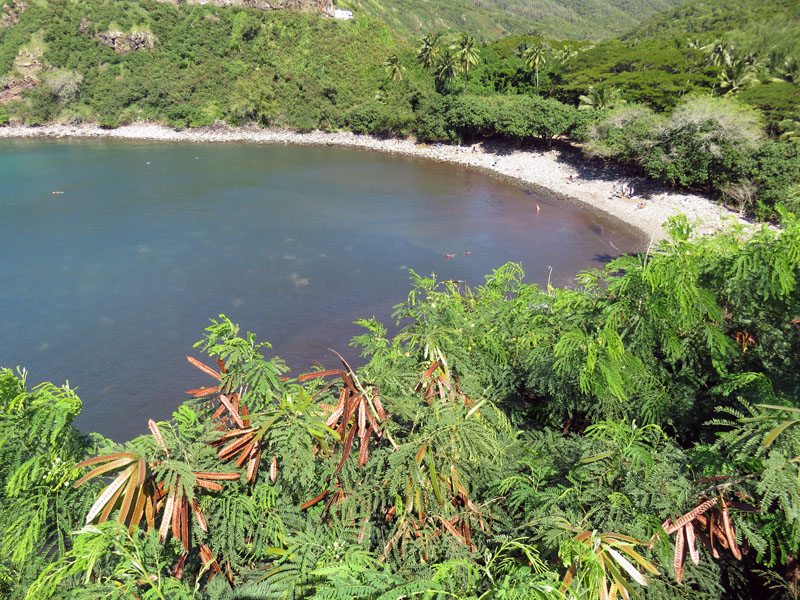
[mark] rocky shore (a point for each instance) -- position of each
(559, 172)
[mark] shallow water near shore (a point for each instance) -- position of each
(109, 283)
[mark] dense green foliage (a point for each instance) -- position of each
(509, 442)
(207, 64)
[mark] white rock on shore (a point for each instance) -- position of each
(556, 171)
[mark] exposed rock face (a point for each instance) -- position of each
(122, 43)
(11, 88)
(324, 7)
(10, 13)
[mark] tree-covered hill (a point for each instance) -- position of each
(123, 61)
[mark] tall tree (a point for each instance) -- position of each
(429, 49)
(394, 70)
(466, 53)
(446, 69)
(737, 75)
(535, 56)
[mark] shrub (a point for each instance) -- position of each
(430, 124)
(706, 143)
(365, 118)
(583, 121)
(252, 100)
(4, 117)
(244, 28)
(626, 133)
(63, 84)
(470, 117)
(775, 171)
(525, 117)
(40, 108)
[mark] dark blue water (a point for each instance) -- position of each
(108, 284)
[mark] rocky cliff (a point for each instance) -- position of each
(324, 7)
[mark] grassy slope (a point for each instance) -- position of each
(716, 17)
(590, 19)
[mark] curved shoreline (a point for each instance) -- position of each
(554, 172)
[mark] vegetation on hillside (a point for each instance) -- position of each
(635, 436)
(584, 19)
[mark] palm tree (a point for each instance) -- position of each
(788, 71)
(535, 56)
(737, 75)
(790, 130)
(694, 44)
(446, 68)
(601, 97)
(466, 53)
(718, 53)
(564, 53)
(394, 70)
(428, 50)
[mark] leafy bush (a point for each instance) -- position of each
(471, 117)
(706, 143)
(775, 172)
(64, 85)
(430, 121)
(626, 133)
(4, 118)
(525, 117)
(366, 118)
(583, 122)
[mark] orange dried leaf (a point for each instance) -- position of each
(209, 485)
(204, 368)
(677, 560)
(314, 500)
(217, 476)
(691, 542)
(690, 516)
(105, 457)
(317, 374)
(730, 535)
(232, 410)
(202, 392)
(110, 466)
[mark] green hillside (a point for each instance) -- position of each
(580, 19)
(191, 65)
(747, 47)
(194, 65)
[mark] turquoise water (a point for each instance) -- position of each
(108, 284)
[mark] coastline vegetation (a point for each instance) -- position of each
(667, 99)
(635, 435)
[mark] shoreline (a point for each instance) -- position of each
(558, 173)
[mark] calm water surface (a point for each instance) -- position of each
(108, 284)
